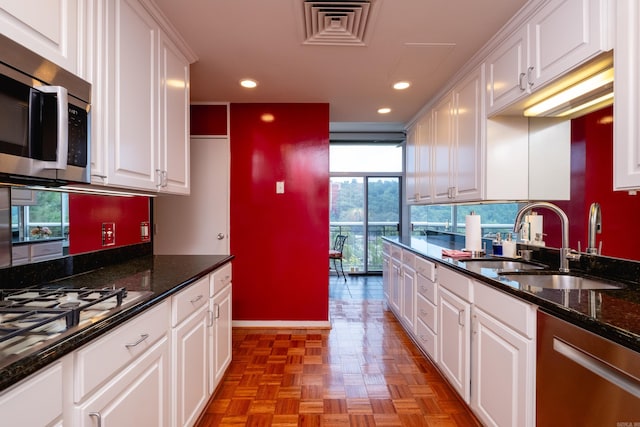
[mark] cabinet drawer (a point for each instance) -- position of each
(189, 300)
(426, 268)
(517, 314)
(102, 359)
(456, 283)
(386, 248)
(427, 289)
(396, 252)
(427, 312)
(427, 339)
(409, 259)
(46, 388)
(219, 279)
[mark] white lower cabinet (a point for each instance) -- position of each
(220, 326)
(190, 331)
(17, 403)
(394, 285)
(481, 339)
(123, 377)
(503, 362)
(408, 290)
(137, 396)
(455, 341)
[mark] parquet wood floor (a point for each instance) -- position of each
(365, 371)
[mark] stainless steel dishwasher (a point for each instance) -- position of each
(584, 379)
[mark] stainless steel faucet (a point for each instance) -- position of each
(565, 251)
(595, 227)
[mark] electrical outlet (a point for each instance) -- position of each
(108, 233)
(144, 231)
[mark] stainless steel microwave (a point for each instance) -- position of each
(44, 120)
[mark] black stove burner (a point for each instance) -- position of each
(23, 310)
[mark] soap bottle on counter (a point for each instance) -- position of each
(497, 245)
(509, 247)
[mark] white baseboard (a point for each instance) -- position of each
(282, 324)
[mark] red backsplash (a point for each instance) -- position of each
(87, 213)
(280, 241)
(592, 181)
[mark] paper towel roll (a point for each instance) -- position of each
(472, 235)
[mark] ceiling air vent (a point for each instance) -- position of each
(337, 22)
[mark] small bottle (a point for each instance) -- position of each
(509, 247)
(497, 245)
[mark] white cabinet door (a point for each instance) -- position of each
(173, 162)
(442, 142)
(45, 388)
(132, 71)
(49, 28)
(394, 286)
(190, 367)
(503, 373)
(425, 155)
(626, 109)
(408, 311)
(138, 396)
(220, 339)
(564, 34)
(468, 137)
(386, 275)
(455, 341)
(411, 164)
(507, 72)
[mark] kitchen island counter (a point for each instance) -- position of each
(158, 276)
(612, 314)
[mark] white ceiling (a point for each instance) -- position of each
(421, 41)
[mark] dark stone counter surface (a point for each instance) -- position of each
(161, 275)
(613, 314)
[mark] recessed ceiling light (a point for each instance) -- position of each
(384, 110)
(248, 83)
(401, 85)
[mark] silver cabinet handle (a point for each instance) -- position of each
(97, 416)
(220, 236)
(520, 80)
(211, 317)
(529, 78)
(142, 338)
(196, 299)
(217, 311)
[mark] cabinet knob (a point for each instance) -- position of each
(220, 236)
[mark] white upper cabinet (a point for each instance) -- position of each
(468, 136)
(174, 120)
(626, 131)
(507, 72)
(49, 28)
(418, 153)
(560, 36)
(442, 170)
(140, 77)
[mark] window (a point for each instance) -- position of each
(44, 215)
(495, 217)
(365, 157)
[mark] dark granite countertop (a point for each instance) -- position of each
(613, 314)
(161, 275)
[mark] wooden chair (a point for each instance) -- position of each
(336, 254)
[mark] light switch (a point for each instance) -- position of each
(279, 187)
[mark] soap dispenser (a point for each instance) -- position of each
(497, 245)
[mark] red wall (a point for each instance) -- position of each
(280, 241)
(592, 181)
(88, 212)
(209, 119)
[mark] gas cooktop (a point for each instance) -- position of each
(33, 317)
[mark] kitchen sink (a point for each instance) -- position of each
(478, 265)
(557, 280)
